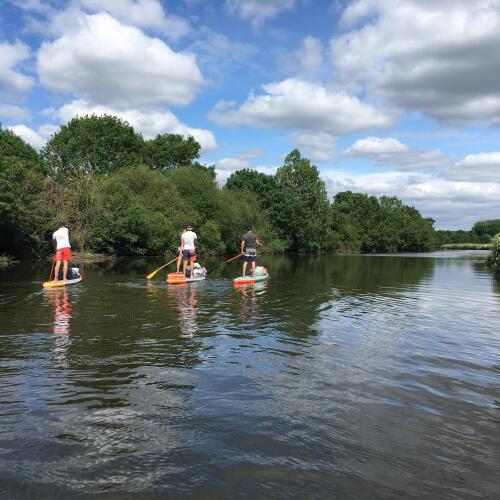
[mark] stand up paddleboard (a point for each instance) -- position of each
(180, 279)
(261, 274)
(60, 283)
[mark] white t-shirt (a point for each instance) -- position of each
(62, 238)
(188, 238)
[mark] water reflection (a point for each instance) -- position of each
(187, 306)
(249, 311)
(62, 309)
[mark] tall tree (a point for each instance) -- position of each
(168, 151)
(93, 144)
(301, 210)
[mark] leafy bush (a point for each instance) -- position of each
(493, 260)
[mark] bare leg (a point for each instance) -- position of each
(179, 260)
(184, 266)
(65, 269)
(244, 267)
(253, 268)
(56, 270)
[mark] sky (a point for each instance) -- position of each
(385, 97)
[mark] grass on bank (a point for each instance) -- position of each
(466, 246)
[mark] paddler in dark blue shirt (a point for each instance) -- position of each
(249, 243)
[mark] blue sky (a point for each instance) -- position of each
(396, 97)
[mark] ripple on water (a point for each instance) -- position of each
(344, 376)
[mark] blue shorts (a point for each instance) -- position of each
(189, 255)
(250, 256)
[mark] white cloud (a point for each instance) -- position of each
(482, 167)
(11, 55)
(218, 55)
(298, 104)
(103, 61)
(455, 205)
(148, 123)
(258, 11)
(13, 112)
(316, 114)
(390, 152)
(310, 55)
(142, 13)
(439, 58)
(37, 138)
(318, 146)
(306, 61)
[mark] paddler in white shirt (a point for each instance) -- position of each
(63, 250)
(188, 248)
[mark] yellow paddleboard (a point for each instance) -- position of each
(60, 283)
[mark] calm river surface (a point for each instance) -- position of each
(343, 377)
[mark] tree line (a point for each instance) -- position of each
(123, 195)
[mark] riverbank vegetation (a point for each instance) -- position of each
(122, 195)
(466, 246)
(493, 260)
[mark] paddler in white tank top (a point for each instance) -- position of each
(188, 247)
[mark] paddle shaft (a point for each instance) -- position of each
(151, 275)
(52, 270)
(228, 260)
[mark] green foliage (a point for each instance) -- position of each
(493, 260)
(170, 151)
(12, 146)
(120, 194)
(486, 229)
(138, 212)
(93, 145)
(263, 186)
(210, 239)
(365, 223)
(466, 246)
(301, 205)
(196, 185)
(23, 220)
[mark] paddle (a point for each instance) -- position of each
(52, 270)
(228, 260)
(151, 275)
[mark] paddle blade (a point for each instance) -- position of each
(151, 275)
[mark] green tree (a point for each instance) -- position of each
(493, 260)
(263, 186)
(93, 145)
(196, 185)
(486, 229)
(12, 146)
(301, 209)
(169, 151)
(23, 211)
(138, 212)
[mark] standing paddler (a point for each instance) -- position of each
(249, 243)
(188, 248)
(63, 250)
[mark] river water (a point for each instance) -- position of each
(342, 377)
